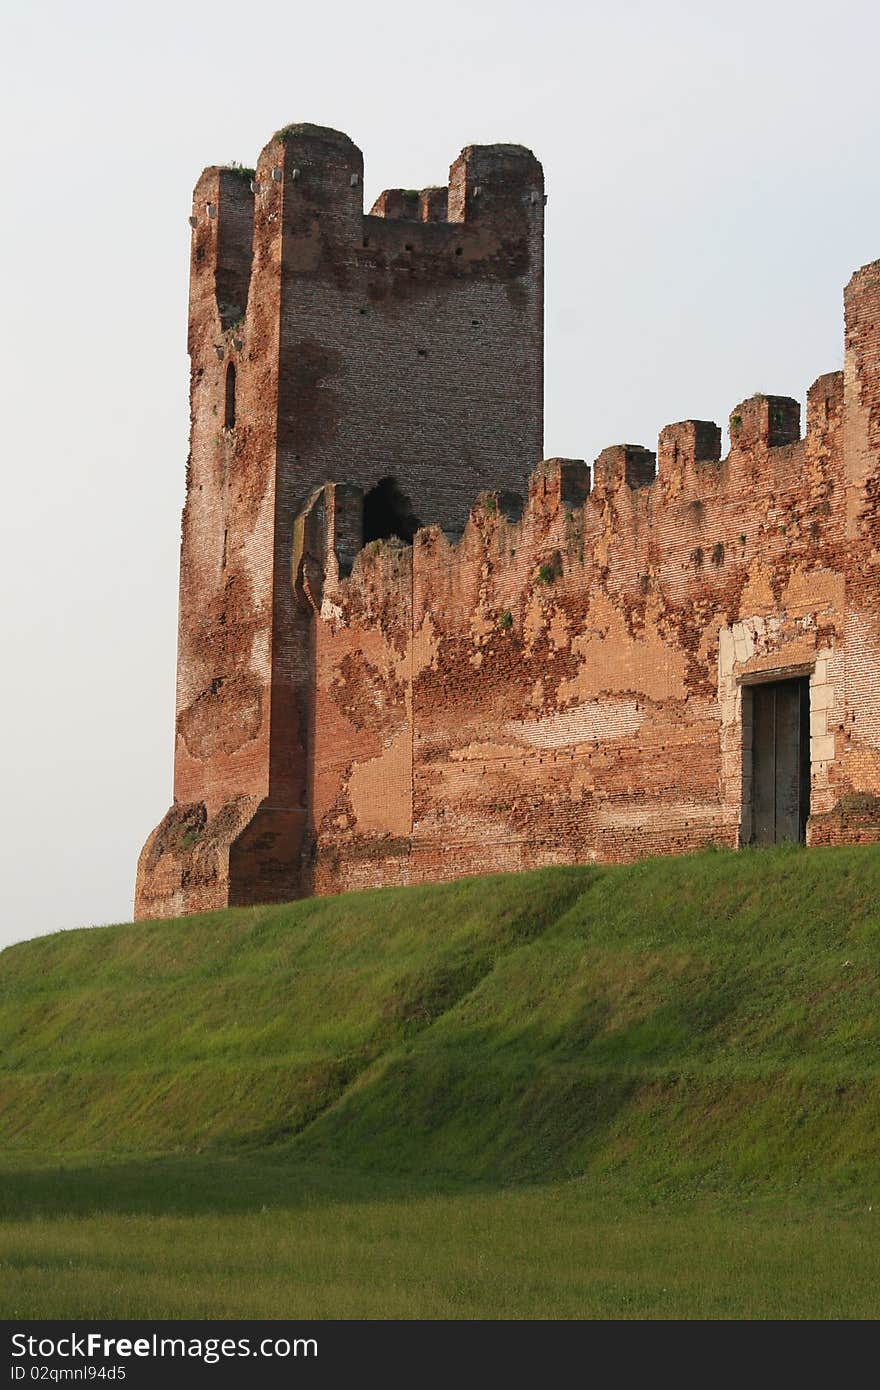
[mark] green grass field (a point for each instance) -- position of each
(643, 1091)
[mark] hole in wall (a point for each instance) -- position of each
(389, 512)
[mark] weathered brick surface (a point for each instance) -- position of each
(567, 682)
(406, 343)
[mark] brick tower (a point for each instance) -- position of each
(398, 354)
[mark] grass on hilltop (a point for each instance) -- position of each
(636, 1091)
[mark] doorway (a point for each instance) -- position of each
(780, 761)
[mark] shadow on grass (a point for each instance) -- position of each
(417, 1131)
(185, 1185)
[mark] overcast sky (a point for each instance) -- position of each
(712, 172)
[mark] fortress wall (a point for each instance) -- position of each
(572, 684)
(409, 347)
(403, 343)
(570, 681)
(860, 750)
(360, 765)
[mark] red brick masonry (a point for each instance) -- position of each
(550, 682)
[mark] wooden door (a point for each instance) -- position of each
(780, 761)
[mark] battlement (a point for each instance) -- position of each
(644, 494)
(687, 460)
(308, 184)
(222, 222)
(410, 648)
(364, 327)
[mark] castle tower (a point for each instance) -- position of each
(400, 352)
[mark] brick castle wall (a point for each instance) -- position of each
(562, 681)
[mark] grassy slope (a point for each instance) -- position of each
(649, 1045)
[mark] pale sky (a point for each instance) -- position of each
(712, 179)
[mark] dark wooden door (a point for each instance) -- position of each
(780, 762)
